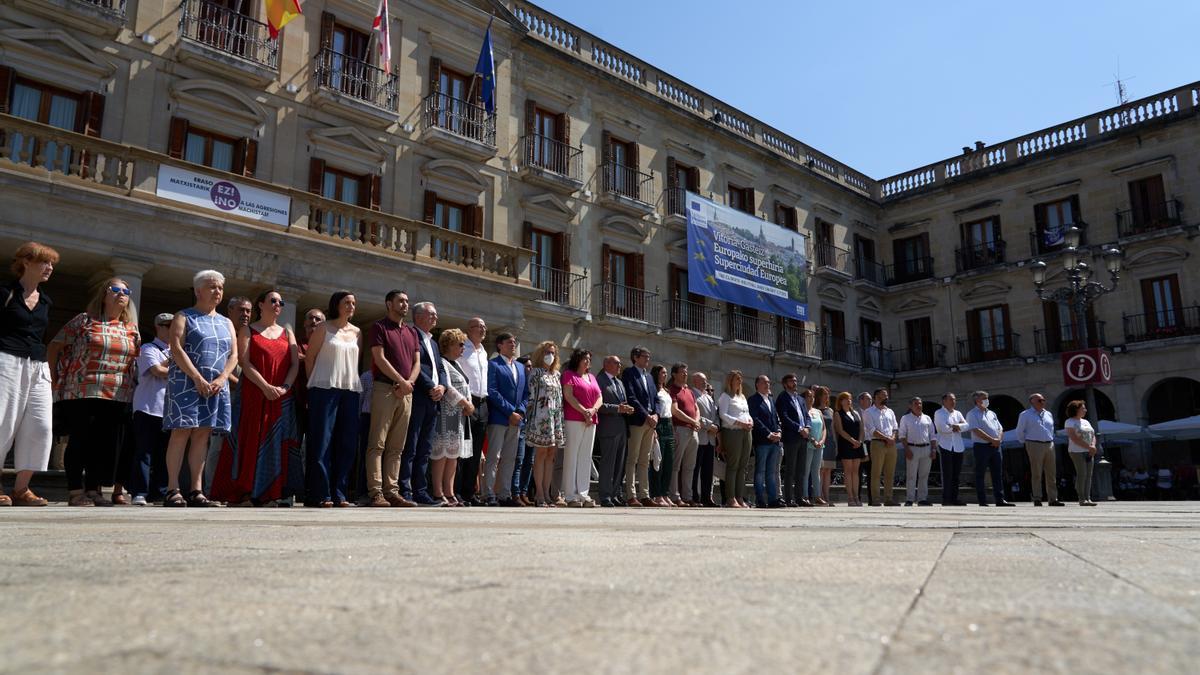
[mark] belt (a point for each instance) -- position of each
(916, 445)
(476, 400)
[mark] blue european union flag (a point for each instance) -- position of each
(486, 69)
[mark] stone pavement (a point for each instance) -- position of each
(1113, 589)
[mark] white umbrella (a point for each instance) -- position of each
(1181, 429)
(1111, 430)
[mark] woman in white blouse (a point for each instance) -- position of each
(736, 425)
(333, 404)
(1081, 447)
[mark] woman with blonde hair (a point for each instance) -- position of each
(851, 434)
(736, 425)
(25, 395)
(545, 426)
(452, 426)
(92, 360)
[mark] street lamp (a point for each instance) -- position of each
(1079, 293)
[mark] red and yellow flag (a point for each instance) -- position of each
(279, 13)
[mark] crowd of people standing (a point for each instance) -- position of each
(236, 409)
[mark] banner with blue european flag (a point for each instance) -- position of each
(735, 257)
(486, 69)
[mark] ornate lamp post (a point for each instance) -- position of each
(1080, 292)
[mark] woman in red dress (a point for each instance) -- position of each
(254, 470)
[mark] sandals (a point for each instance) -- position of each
(197, 500)
(26, 497)
(80, 499)
(174, 499)
(5, 500)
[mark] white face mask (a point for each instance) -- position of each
(548, 360)
(985, 403)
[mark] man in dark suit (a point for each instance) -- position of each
(430, 387)
(612, 431)
(766, 437)
(641, 393)
(507, 395)
(793, 417)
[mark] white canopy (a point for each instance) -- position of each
(1181, 429)
(1110, 429)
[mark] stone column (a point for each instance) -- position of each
(131, 270)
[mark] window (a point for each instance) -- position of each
(38, 102)
(833, 334)
(224, 24)
(744, 324)
(826, 254)
(345, 59)
(687, 309)
(988, 335)
(864, 259)
(871, 334)
(1062, 328)
(681, 179)
(786, 216)
(548, 140)
(741, 198)
(911, 259)
(1052, 220)
(1148, 203)
(1161, 298)
(551, 264)
(211, 149)
(623, 275)
(621, 174)
(918, 335)
(350, 188)
(982, 245)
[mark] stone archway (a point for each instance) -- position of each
(1169, 399)
(1106, 409)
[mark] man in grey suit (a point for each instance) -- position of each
(611, 432)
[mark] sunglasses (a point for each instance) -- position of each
(277, 303)
(120, 291)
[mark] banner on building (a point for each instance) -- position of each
(735, 257)
(225, 196)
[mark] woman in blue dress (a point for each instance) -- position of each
(203, 355)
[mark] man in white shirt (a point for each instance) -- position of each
(916, 433)
(702, 477)
(1035, 428)
(987, 433)
(950, 425)
(881, 432)
(474, 362)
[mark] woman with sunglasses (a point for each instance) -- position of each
(254, 471)
(92, 360)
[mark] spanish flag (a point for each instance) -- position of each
(279, 13)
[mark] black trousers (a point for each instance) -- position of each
(95, 428)
(988, 458)
(468, 469)
(702, 475)
(148, 477)
(951, 474)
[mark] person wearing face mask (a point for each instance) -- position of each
(545, 429)
(1035, 428)
(987, 434)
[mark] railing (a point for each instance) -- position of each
(356, 78)
(870, 271)
(1162, 325)
(910, 269)
(551, 155)
(693, 316)
(799, 340)
(627, 182)
(1067, 339)
(977, 256)
(1153, 217)
(750, 329)
(989, 348)
(627, 302)
(68, 159)
(920, 357)
(876, 357)
(1037, 240)
(677, 201)
(829, 256)
(465, 119)
(560, 286)
(116, 8)
(841, 350)
(228, 31)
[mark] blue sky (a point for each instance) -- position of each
(890, 86)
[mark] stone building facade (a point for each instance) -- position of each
(560, 216)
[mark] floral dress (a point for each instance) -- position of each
(450, 427)
(545, 426)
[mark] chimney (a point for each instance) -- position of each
(978, 146)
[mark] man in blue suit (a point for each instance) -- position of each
(766, 437)
(507, 395)
(429, 389)
(793, 417)
(641, 393)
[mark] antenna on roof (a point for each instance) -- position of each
(1119, 88)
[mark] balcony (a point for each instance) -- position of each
(458, 126)
(356, 88)
(626, 303)
(626, 189)
(906, 271)
(841, 350)
(876, 357)
(551, 164)
(693, 317)
(1154, 217)
(800, 341)
(676, 206)
(921, 357)
(870, 272)
(989, 348)
(750, 330)
(73, 167)
(1164, 325)
(979, 256)
(1037, 240)
(560, 287)
(1065, 339)
(832, 260)
(98, 17)
(223, 41)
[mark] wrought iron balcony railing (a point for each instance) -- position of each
(989, 348)
(1162, 325)
(750, 329)
(1148, 219)
(1039, 241)
(1067, 339)
(461, 118)
(693, 316)
(560, 286)
(841, 350)
(627, 182)
(228, 31)
(627, 302)
(911, 269)
(829, 256)
(799, 340)
(356, 79)
(870, 271)
(976, 256)
(919, 357)
(554, 156)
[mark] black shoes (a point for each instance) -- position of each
(1037, 502)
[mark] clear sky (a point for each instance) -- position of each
(890, 86)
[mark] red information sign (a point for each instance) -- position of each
(1086, 366)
